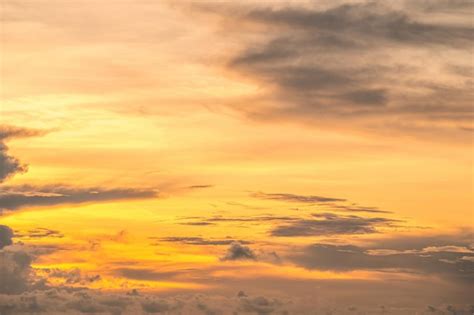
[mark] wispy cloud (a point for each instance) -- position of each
(327, 224)
(17, 197)
(331, 203)
(350, 63)
(198, 240)
(295, 198)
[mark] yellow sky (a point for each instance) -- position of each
(155, 96)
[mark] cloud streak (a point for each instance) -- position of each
(198, 240)
(17, 197)
(326, 224)
(334, 204)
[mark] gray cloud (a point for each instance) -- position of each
(16, 197)
(6, 235)
(331, 224)
(8, 132)
(213, 220)
(295, 198)
(348, 62)
(39, 233)
(237, 251)
(145, 274)
(331, 203)
(72, 276)
(429, 258)
(371, 20)
(14, 272)
(200, 186)
(9, 165)
(198, 240)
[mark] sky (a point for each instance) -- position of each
(236, 157)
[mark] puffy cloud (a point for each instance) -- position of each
(237, 251)
(9, 165)
(331, 224)
(6, 235)
(16, 197)
(14, 272)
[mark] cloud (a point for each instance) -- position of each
(71, 276)
(6, 235)
(295, 198)
(326, 224)
(145, 274)
(14, 272)
(198, 240)
(237, 251)
(16, 197)
(8, 132)
(353, 62)
(431, 259)
(39, 233)
(200, 186)
(332, 203)
(213, 220)
(9, 165)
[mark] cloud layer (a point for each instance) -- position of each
(425, 256)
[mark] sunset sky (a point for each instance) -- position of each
(236, 157)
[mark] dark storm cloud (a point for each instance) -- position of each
(331, 224)
(16, 197)
(237, 251)
(6, 235)
(198, 240)
(349, 62)
(9, 165)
